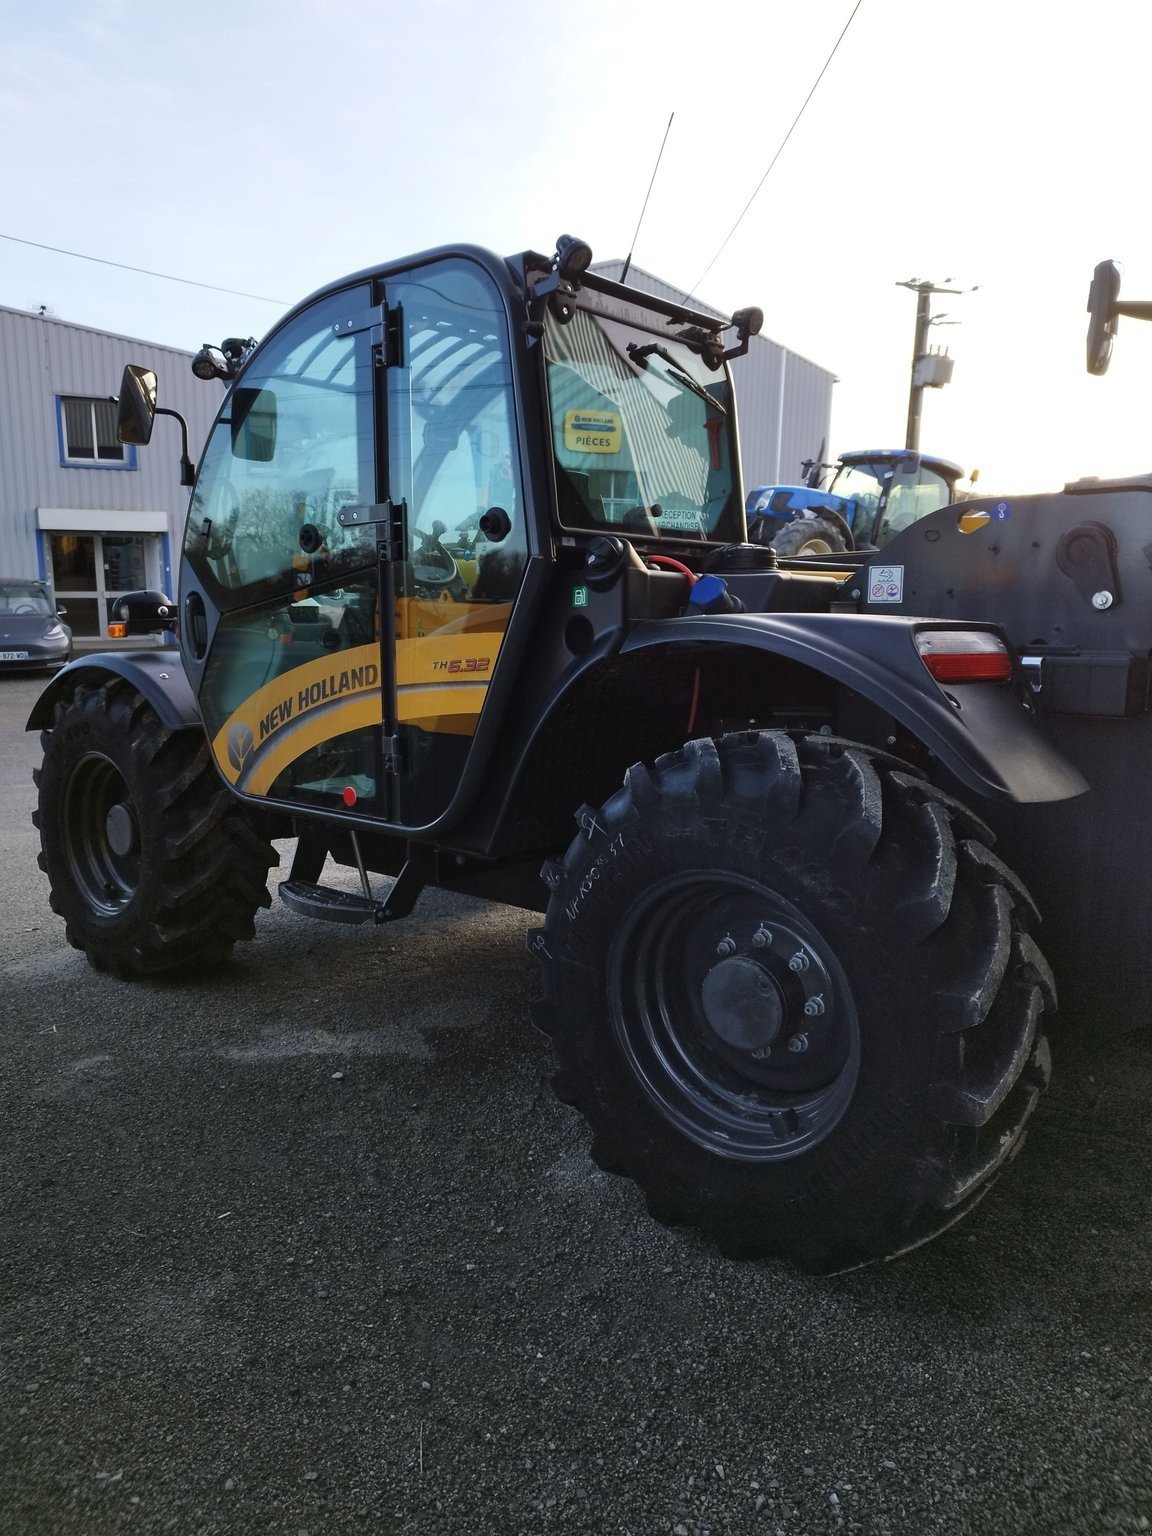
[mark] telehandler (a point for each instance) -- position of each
(466, 558)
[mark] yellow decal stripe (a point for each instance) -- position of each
(323, 725)
(295, 710)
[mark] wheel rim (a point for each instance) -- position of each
(815, 547)
(103, 835)
(734, 1016)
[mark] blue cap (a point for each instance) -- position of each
(710, 595)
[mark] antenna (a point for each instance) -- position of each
(779, 152)
(647, 195)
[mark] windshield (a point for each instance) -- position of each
(642, 432)
(25, 600)
(861, 483)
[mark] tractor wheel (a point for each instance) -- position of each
(791, 990)
(152, 865)
(810, 536)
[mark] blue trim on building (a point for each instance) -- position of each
(166, 562)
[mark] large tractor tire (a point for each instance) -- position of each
(810, 536)
(792, 991)
(153, 866)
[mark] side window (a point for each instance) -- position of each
(88, 434)
(452, 434)
(294, 445)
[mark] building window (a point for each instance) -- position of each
(88, 434)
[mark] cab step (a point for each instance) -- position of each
(327, 903)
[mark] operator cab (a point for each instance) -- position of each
(892, 489)
(372, 529)
(872, 495)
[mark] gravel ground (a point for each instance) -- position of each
(306, 1245)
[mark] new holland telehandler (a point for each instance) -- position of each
(465, 560)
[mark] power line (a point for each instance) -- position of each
(144, 271)
(779, 152)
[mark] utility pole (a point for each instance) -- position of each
(930, 370)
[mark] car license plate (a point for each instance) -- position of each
(13, 655)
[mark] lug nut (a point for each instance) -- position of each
(726, 946)
(799, 962)
(814, 1006)
(761, 937)
(797, 1044)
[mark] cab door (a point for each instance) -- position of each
(280, 603)
(454, 473)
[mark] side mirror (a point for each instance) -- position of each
(141, 613)
(1103, 297)
(136, 405)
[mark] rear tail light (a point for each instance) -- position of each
(964, 655)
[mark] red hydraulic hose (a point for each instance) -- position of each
(675, 565)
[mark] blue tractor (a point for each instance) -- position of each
(872, 494)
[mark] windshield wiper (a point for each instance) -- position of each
(640, 356)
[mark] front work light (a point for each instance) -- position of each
(210, 363)
(573, 258)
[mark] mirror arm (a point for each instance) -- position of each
(187, 468)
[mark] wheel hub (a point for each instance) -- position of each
(743, 1004)
(120, 829)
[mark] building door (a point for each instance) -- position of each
(89, 570)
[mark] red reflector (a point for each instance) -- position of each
(969, 667)
(964, 655)
(349, 795)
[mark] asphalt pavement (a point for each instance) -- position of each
(307, 1245)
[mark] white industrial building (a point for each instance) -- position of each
(95, 518)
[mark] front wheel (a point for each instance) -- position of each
(790, 988)
(152, 865)
(810, 536)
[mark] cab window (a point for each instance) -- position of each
(293, 446)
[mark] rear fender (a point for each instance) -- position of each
(981, 732)
(156, 674)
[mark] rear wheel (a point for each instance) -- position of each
(152, 865)
(791, 990)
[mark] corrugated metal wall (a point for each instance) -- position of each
(42, 358)
(783, 402)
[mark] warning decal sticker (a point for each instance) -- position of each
(886, 584)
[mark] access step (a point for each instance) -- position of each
(327, 903)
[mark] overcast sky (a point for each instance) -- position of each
(270, 147)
